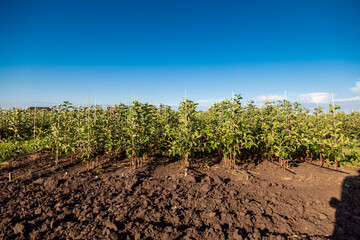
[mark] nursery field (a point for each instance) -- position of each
(140, 171)
(281, 131)
(159, 201)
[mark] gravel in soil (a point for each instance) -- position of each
(159, 201)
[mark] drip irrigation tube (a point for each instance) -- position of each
(287, 170)
(335, 170)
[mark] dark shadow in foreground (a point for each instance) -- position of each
(347, 225)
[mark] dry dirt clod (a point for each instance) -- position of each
(38, 211)
(218, 180)
(19, 229)
(189, 178)
(110, 225)
(205, 188)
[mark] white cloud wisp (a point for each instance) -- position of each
(317, 97)
(356, 89)
(273, 97)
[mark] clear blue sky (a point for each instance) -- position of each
(53, 51)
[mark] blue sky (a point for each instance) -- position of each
(52, 51)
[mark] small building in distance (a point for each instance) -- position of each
(33, 108)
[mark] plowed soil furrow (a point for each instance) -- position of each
(157, 201)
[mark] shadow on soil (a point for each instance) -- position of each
(347, 225)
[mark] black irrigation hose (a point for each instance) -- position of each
(335, 170)
(286, 169)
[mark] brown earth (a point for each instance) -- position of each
(157, 201)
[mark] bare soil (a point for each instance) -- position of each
(160, 201)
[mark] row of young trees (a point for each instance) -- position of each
(281, 130)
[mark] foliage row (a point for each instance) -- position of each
(281, 130)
